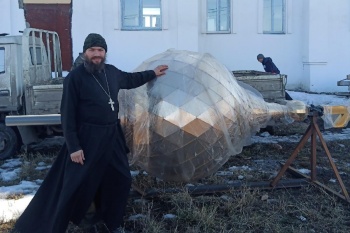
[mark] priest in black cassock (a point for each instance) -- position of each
(92, 167)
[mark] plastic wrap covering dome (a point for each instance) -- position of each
(336, 116)
(186, 124)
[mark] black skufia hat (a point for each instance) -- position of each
(94, 40)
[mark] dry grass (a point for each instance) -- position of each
(305, 209)
(244, 211)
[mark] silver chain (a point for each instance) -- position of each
(108, 94)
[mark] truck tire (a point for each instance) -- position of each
(8, 141)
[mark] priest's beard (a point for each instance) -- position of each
(92, 67)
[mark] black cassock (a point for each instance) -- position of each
(89, 124)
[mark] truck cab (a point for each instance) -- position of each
(30, 70)
(9, 69)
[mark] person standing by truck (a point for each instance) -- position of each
(270, 67)
(92, 166)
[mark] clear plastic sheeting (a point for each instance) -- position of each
(185, 125)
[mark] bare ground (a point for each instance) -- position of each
(309, 208)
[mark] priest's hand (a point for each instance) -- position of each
(160, 70)
(78, 157)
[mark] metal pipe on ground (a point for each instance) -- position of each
(216, 188)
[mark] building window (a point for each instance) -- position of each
(218, 16)
(2, 60)
(274, 16)
(141, 15)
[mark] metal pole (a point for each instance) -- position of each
(50, 119)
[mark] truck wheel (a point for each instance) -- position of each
(8, 142)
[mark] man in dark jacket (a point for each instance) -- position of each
(92, 166)
(269, 66)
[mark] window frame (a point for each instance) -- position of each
(141, 18)
(284, 18)
(229, 18)
(3, 71)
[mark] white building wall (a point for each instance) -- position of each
(328, 44)
(127, 49)
(313, 52)
(238, 51)
(11, 17)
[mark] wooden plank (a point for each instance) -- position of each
(296, 173)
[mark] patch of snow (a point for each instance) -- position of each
(136, 217)
(344, 134)
(11, 163)
(304, 171)
(141, 201)
(224, 173)
(134, 173)
(41, 164)
(169, 216)
(8, 175)
(319, 99)
(12, 209)
(24, 187)
(265, 134)
(242, 168)
(226, 198)
(302, 218)
(41, 168)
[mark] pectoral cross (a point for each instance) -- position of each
(111, 103)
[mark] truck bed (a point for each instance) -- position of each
(271, 86)
(43, 99)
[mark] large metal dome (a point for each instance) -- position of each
(186, 124)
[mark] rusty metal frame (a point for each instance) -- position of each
(313, 131)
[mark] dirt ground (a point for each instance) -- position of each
(308, 208)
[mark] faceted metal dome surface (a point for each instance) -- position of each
(185, 125)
